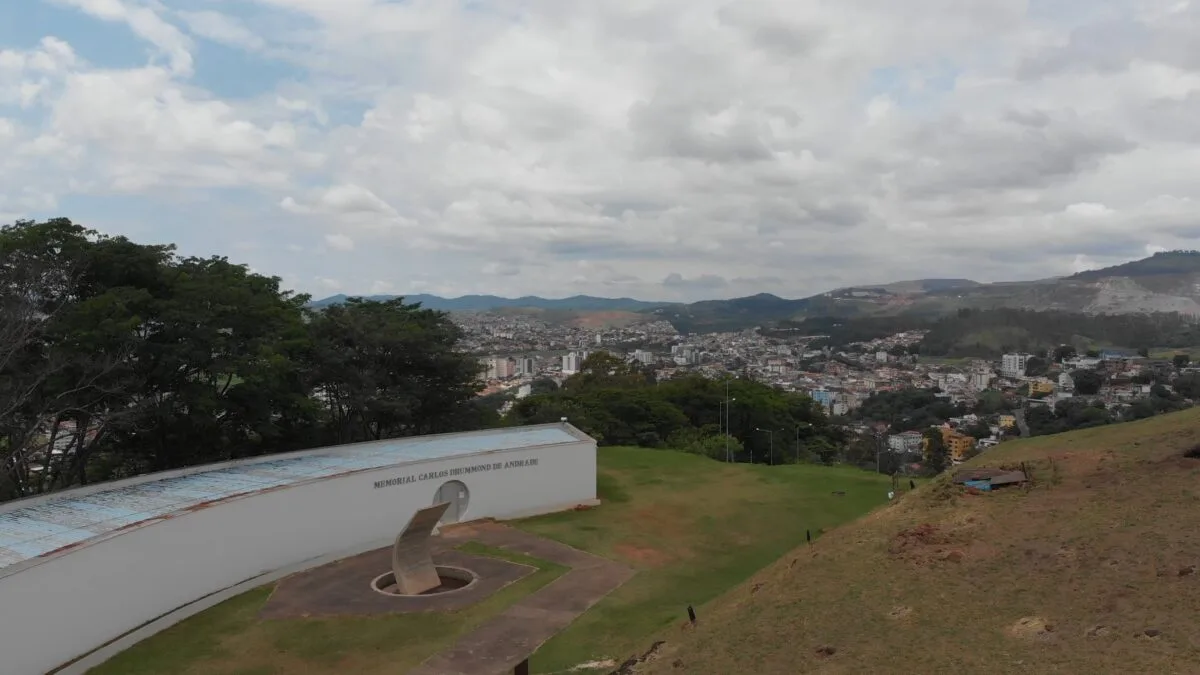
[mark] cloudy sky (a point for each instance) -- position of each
(661, 149)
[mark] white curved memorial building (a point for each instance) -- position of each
(84, 567)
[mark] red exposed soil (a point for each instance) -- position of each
(926, 544)
(605, 319)
(641, 555)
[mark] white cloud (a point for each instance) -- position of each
(1082, 263)
(878, 109)
(222, 28)
(1088, 210)
(344, 199)
(501, 269)
(682, 148)
(339, 242)
(379, 287)
(146, 23)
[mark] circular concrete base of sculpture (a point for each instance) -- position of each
(452, 578)
(352, 586)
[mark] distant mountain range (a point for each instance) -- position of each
(1164, 282)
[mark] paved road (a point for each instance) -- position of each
(1019, 413)
(502, 642)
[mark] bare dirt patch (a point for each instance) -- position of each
(927, 543)
(1031, 628)
(642, 556)
(629, 667)
(900, 612)
(607, 319)
(917, 538)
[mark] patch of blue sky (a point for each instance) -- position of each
(345, 113)
(141, 218)
(203, 222)
(23, 23)
(913, 88)
(232, 73)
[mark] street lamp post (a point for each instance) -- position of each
(770, 445)
(726, 420)
(798, 427)
(728, 457)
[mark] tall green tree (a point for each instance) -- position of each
(937, 456)
(1064, 352)
(385, 369)
(604, 370)
(218, 359)
(1087, 382)
(118, 358)
(616, 405)
(68, 339)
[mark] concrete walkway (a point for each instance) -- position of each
(499, 644)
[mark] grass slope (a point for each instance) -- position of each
(1093, 570)
(692, 527)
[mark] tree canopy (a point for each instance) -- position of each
(610, 400)
(908, 409)
(937, 455)
(118, 358)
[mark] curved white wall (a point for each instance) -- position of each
(68, 605)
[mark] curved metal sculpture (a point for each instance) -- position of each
(412, 557)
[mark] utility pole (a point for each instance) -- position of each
(880, 440)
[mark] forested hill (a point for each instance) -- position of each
(1165, 263)
(1163, 283)
(992, 332)
(1167, 282)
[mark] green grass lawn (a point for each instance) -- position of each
(944, 360)
(230, 638)
(692, 527)
(1169, 353)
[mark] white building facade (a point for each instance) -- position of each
(81, 568)
(1013, 365)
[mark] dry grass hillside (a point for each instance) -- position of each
(1094, 569)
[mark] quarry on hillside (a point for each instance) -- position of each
(1093, 567)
